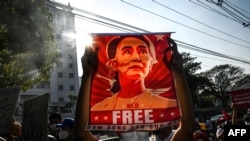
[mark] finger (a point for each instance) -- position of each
(173, 45)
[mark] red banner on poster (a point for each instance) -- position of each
(241, 98)
(133, 87)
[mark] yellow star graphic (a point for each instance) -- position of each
(96, 118)
(159, 37)
(172, 113)
(105, 118)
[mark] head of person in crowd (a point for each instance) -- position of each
(66, 132)
(199, 134)
(15, 129)
(246, 117)
(54, 118)
(14, 132)
(221, 122)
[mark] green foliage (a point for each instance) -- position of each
(224, 79)
(196, 82)
(206, 101)
(216, 83)
(189, 64)
(72, 102)
(27, 48)
(243, 83)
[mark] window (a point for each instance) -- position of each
(70, 65)
(58, 36)
(68, 21)
(71, 75)
(60, 74)
(70, 56)
(51, 17)
(59, 20)
(72, 87)
(60, 87)
(61, 99)
(60, 65)
(42, 85)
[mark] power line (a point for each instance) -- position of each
(189, 46)
(238, 7)
(205, 6)
(237, 11)
(105, 23)
(185, 25)
(242, 20)
(93, 20)
(198, 21)
(216, 59)
(233, 11)
(236, 63)
(196, 48)
(109, 19)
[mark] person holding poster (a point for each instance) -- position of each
(90, 67)
(133, 87)
(130, 63)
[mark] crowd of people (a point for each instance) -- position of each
(58, 129)
(62, 130)
(231, 120)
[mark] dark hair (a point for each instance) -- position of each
(113, 43)
(55, 115)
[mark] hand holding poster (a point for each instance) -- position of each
(133, 87)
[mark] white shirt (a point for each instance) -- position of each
(135, 136)
(154, 138)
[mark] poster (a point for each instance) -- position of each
(8, 102)
(35, 118)
(133, 87)
(241, 98)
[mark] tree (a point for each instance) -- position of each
(195, 81)
(224, 79)
(27, 48)
(71, 104)
(242, 83)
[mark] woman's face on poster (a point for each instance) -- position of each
(133, 58)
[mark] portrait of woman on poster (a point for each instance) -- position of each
(131, 59)
(90, 66)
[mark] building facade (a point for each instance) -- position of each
(64, 79)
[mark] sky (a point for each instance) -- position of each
(194, 22)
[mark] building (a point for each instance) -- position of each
(64, 79)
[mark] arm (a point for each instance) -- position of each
(89, 63)
(187, 124)
(234, 114)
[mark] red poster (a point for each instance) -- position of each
(241, 98)
(133, 88)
